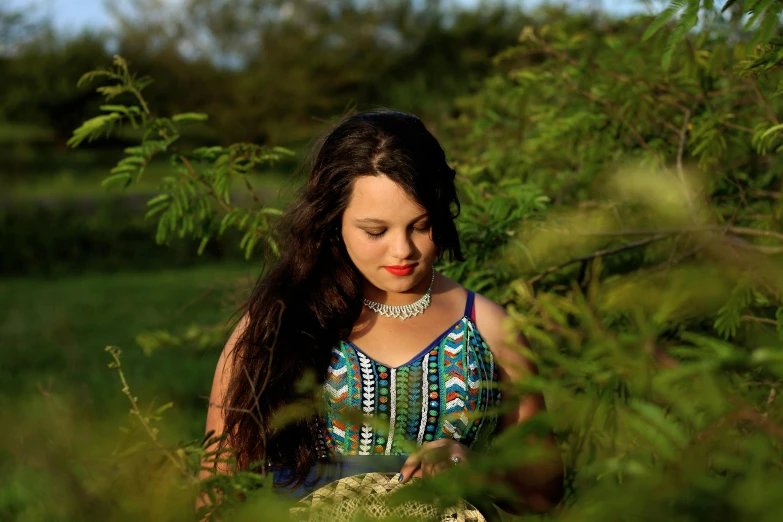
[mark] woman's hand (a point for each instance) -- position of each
(434, 457)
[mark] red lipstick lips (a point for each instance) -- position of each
(400, 270)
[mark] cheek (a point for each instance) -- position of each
(425, 245)
(363, 249)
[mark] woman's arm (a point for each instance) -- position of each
(215, 418)
(540, 484)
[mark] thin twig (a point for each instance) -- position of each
(661, 234)
(745, 231)
(680, 171)
(194, 173)
(766, 193)
(770, 111)
(137, 411)
(677, 260)
(754, 319)
(605, 252)
(193, 301)
(261, 430)
(740, 231)
(231, 160)
(671, 127)
(251, 190)
(738, 127)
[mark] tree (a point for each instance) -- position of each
(40, 78)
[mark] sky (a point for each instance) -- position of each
(74, 15)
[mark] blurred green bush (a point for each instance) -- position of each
(109, 233)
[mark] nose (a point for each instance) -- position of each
(401, 246)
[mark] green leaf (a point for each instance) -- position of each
(203, 244)
(189, 117)
(117, 179)
(155, 210)
(115, 108)
(158, 199)
(667, 14)
(657, 418)
(729, 315)
(283, 150)
(163, 408)
(771, 130)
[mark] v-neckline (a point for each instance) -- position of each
(428, 348)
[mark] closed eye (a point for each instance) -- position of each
(423, 229)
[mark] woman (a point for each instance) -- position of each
(354, 301)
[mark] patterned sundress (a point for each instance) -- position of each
(444, 391)
(449, 389)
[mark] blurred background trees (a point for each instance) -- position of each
(266, 72)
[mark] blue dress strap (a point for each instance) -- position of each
(469, 309)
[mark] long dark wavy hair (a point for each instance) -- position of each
(311, 295)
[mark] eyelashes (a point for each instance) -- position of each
(378, 235)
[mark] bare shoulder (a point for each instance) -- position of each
(224, 369)
(231, 345)
(490, 317)
(504, 343)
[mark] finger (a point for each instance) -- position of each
(440, 467)
(409, 467)
(435, 455)
(426, 468)
(431, 451)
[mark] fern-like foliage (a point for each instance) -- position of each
(195, 200)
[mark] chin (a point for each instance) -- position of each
(401, 284)
(398, 288)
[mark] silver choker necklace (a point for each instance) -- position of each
(403, 311)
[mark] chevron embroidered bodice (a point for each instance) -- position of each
(444, 391)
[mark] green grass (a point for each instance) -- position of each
(53, 334)
(65, 453)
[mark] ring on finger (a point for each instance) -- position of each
(455, 460)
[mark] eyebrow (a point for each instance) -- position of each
(376, 221)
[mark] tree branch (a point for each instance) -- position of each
(738, 127)
(754, 319)
(770, 111)
(599, 253)
(740, 231)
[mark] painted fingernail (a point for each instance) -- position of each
(401, 477)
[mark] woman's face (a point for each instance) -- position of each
(387, 235)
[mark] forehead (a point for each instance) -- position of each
(379, 197)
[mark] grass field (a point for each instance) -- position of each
(65, 453)
(53, 334)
